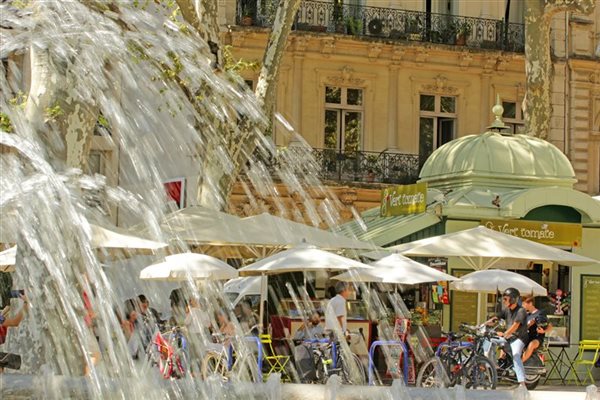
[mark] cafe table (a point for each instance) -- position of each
(558, 361)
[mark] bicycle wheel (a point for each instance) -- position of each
(180, 367)
(353, 372)
(481, 374)
(214, 363)
(245, 369)
(165, 366)
(433, 374)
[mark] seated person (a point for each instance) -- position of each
(248, 319)
(537, 327)
(312, 329)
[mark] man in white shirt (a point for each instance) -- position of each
(336, 313)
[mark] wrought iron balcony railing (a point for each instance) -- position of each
(395, 24)
(357, 166)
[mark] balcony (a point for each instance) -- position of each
(395, 24)
(356, 166)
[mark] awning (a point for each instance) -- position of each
(385, 230)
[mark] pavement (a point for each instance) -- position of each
(17, 387)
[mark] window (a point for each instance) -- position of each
(437, 123)
(96, 162)
(513, 116)
(343, 118)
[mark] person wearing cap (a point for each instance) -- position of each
(514, 338)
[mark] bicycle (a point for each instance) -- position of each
(458, 362)
(222, 361)
(329, 360)
(169, 354)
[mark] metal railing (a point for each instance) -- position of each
(355, 166)
(395, 24)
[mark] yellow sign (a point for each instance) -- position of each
(403, 200)
(550, 233)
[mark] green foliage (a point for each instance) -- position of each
(5, 124)
(232, 65)
(464, 29)
(103, 122)
(53, 112)
(354, 25)
(17, 101)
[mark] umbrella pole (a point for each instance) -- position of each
(263, 299)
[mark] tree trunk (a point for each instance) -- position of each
(64, 125)
(538, 61)
(217, 184)
(50, 102)
(202, 15)
(266, 86)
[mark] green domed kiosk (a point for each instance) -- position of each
(502, 180)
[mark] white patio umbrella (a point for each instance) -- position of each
(184, 266)
(121, 239)
(101, 238)
(493, 280)
(8, 259)
(481, 248)
(283, 232)
(396, 269)
(302, 258)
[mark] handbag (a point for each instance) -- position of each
(10, 360)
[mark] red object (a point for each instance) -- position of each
(175, 191)
(278, 323)
(87, 304)
(3, 333)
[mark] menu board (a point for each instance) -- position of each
(590, 307)
(463, 305)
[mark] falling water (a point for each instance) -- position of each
(127, 63)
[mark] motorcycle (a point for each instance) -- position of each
(534, 366)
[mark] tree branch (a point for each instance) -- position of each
(267, 80)
(579, 6)
(202, 16)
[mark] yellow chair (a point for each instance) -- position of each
(588, 363)
(276, 363)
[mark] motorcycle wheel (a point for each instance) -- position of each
(531, 381)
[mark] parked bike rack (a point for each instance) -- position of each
(333, 348)
(389, 343)
(259, 357)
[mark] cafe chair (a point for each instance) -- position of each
(275, 363)
(587, 363)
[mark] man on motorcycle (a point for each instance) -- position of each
(514, 338)
(537, 327)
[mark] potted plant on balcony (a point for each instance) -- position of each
(463, 32)
(414, 27)
(354, 26)
(247, 19)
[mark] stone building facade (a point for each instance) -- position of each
(386, 78)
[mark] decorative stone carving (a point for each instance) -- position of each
(348, 196)
(465, 59)
(346, 77)
(327, 46)
(300, 44)
(422, 55)
(374, 51)
(398, 53)
(595, 77)
(440, 85)
(489, 63)
(502, 63)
